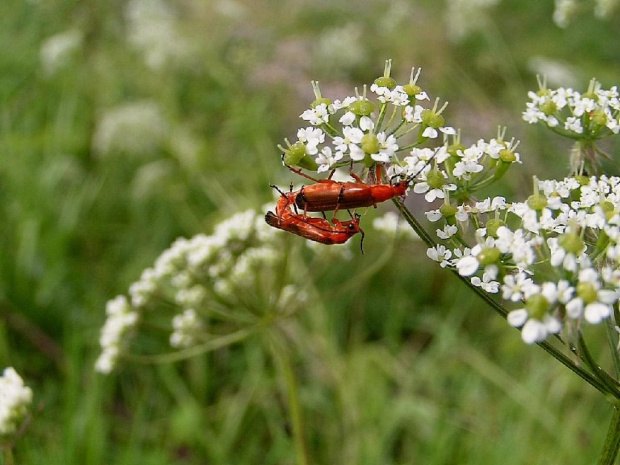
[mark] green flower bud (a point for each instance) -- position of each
(542, 92)
(549, 107)
(571, 242)
(370, 143)
(319, 101)
(493, 225)
(488, 256)
(432, 119)
(537, 202)
(412, 90)
(609, 209)
(507, 155)
(582, 180)
(386, 81)
(587, 292)
(308, 163)
(599, 117)
(295, 153)
(362, 107)
(537, 306)
(454, 148)
(435, 179)
(448, 210)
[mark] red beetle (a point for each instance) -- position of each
(328, 194)
(314, 229)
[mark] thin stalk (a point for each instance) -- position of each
(8, 455)
(611, 446)
(612, 337)
(292, 388)
(594, 381)
(608, 381)
(211, 345)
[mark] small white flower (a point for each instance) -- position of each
(15, 398)
(440, 254)
(447, 232)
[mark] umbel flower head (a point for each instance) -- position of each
(538, 255)
(204, 287)
(15, 398)
(377, 126)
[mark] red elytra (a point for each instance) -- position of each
(314, 229)
(327, 194)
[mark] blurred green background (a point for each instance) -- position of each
(125, 124)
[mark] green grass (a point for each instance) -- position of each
(399, 366)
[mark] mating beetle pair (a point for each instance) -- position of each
(329, 195)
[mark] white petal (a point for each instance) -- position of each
(467, 265)
(533, 331)
(596, 312)
(517, 318)
(574, 308)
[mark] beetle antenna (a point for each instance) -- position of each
(362, 241)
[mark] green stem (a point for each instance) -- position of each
(612, 338)
(8, 455)
(286, 367)
(594, 381)
(612, 440)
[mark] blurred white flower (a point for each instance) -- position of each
(466, 16)
(137, 128)
(14, 401)
(556, 72)
(153, 31)
(56, 51)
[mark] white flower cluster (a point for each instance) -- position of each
(364, 133)
(456, 167)
(198, 279)
(594, 113)
(545, 236)
(136, 128)
(566, 10)
(153, 30)
(15, 398)
(187, 328)
(56, 51)
(121, 320)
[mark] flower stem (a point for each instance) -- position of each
(8, 455)
(594, 380)
(281, 355)
(612, 440)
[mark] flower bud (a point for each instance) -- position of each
(386, 81)
(488, 256)
(549, 107)
(571, 242)
(609, 209)
(432, 119)
(587, 292)
(412, 90)
(537, 306)
(507, 155)
(362, 107)
(448, 210)
(370, 143)
(599, 117)
(319, 101)
(435, 179)
(296, 156)
(493, 225)
(537, 202)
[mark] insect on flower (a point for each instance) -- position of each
(327, 194)
(314, 229)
